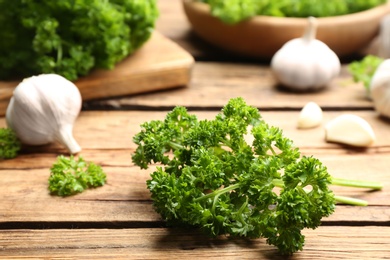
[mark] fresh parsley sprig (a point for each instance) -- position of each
(10, 144)
(363, 70)
(69, 176)
(212, 178)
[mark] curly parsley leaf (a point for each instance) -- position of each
(69, 176)
(9, 144)
(363, 70)
(70, 38)
(234, 11)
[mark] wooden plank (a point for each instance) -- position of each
(159, 64)
(106, 139)
(115, 129)
(125, 198)
(323, 243)
(212, 84)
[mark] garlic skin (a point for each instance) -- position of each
(305, 63)
(310, 116)
(380, 88)
(351, 130)
(43, 110)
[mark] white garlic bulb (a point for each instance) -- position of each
(305, 63)
(43, 109)
(380, 88)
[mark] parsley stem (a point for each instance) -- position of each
(241, 210)
(272, 150)
(215, 202)
(218, 192)
(357, 183)
(176, 146)
(59, 54)
(350, 201)
(335, 181)
(343, 182)
(278, 183)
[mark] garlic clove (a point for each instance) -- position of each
(310, 116)
(351, 130)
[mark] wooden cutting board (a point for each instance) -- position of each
(159, 64)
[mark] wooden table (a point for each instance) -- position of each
(118, 221)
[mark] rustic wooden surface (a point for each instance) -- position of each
(117, 221)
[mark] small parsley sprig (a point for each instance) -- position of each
(10, 144)
(69, 176)
(363, 70)
(211, 177)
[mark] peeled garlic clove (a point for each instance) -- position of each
(351, 130)
(310, 116)
(43, 109)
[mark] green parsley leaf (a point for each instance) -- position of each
(363, 70)
(69, 176)
(71, 38)
(213, 179)
(9, 144)
(210, 176)
(234, 11)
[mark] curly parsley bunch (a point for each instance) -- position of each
(70, 37)
(209, 175)
(213, 178)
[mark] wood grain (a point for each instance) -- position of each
(125, 199)
(158, 243)
(213, 83)
(159, 64)
(115, 129)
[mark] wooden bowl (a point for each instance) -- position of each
(262, 36)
